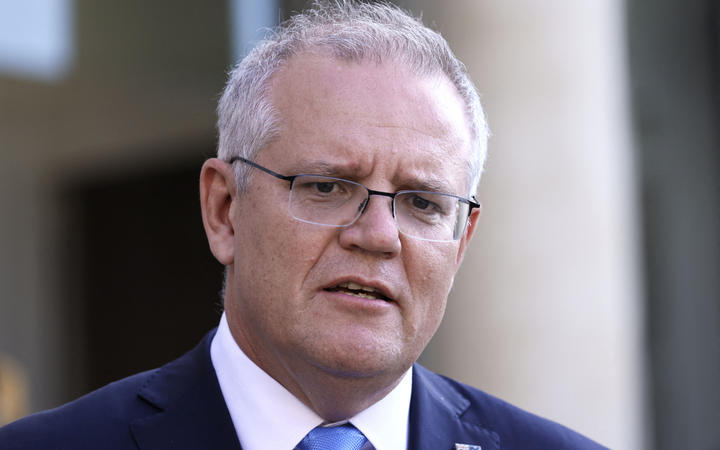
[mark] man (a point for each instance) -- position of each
(341, 203)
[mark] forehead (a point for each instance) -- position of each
(367, 116)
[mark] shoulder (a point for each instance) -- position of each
(104, 413)
(514, 428)
(107, 417)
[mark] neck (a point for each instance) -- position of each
(336, 397)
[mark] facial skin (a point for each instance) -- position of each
(380, 125)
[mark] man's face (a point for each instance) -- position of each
(288, 302)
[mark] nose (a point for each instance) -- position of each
(375, 230)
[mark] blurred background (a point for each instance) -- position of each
(590, 294)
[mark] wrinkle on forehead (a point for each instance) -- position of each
(411, 128)
(341, 79)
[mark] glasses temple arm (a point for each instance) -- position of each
(264, 169)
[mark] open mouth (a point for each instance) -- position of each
(358, 290)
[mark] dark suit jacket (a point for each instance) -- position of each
(180, 406)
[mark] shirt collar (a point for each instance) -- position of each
(266, 415)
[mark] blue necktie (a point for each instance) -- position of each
(344, 437)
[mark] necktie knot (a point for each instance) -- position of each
(342, 437)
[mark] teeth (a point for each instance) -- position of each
(358, 290)
(363, 295)
(357, 287)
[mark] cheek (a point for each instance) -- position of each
(275, 253)
(431, 269)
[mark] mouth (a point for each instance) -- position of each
(359, 290)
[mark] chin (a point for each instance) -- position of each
(358, 361)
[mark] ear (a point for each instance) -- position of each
(217, 192)
(469, 230)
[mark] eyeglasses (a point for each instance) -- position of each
(335, 202)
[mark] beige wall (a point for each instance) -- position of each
(546, 311)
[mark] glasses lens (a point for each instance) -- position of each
(326, 200)
(431, 216)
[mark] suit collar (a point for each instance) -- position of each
(437, 419)
(191, 409)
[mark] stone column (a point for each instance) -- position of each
(547, 310)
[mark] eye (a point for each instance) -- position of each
(420, 203)
(425, 204)
(326, 187)
(322, 188)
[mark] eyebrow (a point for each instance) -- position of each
(337, 170)
(321, 168)
(431, 185)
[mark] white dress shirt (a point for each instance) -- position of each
(268, 416)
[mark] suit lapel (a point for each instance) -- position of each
(436, 417)
(191, 410)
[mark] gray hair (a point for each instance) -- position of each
(351, 31)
